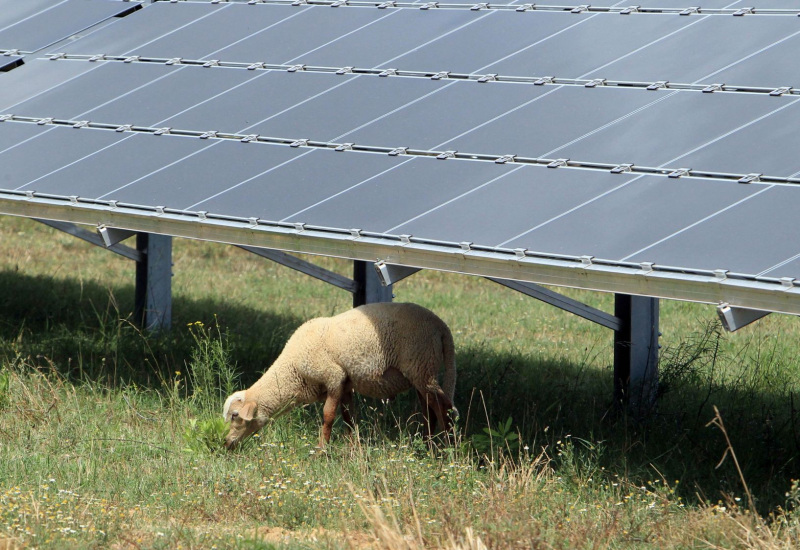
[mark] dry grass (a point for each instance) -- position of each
(93, 415)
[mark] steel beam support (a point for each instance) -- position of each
(636, 352)
(562, 302)
(112, 235)
(389, 274)
(734, 318)
(305, 267)
(92, 238)
(369, 288)
(153, 298)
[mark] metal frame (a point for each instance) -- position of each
(768, 294)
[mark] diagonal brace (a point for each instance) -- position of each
(562, 302)
(303, 266)
(93, 238)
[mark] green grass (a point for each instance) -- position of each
(108, 436)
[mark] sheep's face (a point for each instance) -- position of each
(242, 413)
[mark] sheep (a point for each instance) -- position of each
(378, 350)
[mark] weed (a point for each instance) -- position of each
(212, 372)
(493, 441)
(205, 436)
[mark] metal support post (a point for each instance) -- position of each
(368, 286)
(636, 352)
(153, 298)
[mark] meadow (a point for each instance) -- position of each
(109, 437)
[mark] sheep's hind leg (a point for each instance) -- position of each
(437, 402)
(428, 417)
(347, 403)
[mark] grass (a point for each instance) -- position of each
(108, 437)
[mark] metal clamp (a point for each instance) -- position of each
(711, 88)
(97, 57)
(131, 59)
(405, 239)
(466, 246)
(504, 159)
(446, 155)
(519, 253)
(750, 178)
(742, 11)
(124, 128)
(629, 10)
(355, 233)
(209, 134)
(43, 121)
(299, 143)
(254, 66)
(339, 3)
(299, 227)
(345, 70)
(544, 80)
(478, 7)
(162, 131)
(488, 78)
(398, 151)
(595, 82)
(647, 267)
(56, 56)
(579, 9)
(679, 173)
(173, 61)
(558, 162)
(388, 72)
(384, 5)
(295, 68)
(622, 168)
(658, 85)
(690, 11)
(344, 147)
(525, 7)
(586, 261)
(3, 118)
(429, 5)
(720, 274)
(249, 138)
(80, 124)
(782, 90)
(787, 282)
(440, 75)
(211, 63)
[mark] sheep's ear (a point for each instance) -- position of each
(248, 411)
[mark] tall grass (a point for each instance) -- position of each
(109, 436)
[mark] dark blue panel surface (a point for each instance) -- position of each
(30, 30)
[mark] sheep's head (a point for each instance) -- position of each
(242, 414)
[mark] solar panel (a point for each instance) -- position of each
(648, 48)
(32, 25)
(603, 175)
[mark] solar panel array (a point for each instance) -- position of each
(648, 151)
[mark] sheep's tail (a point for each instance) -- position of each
(449, 356)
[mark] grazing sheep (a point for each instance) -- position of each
(378, 350)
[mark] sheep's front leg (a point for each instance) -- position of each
(328, 416)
